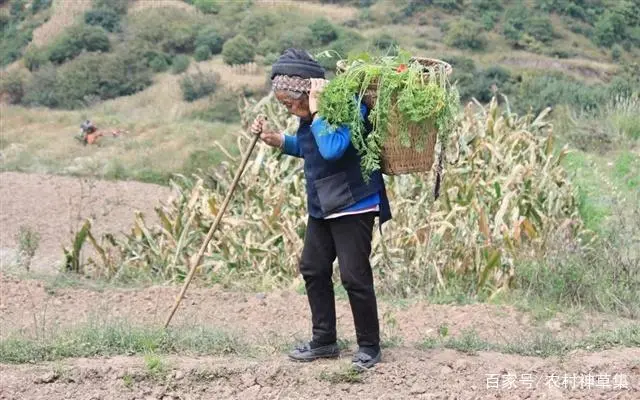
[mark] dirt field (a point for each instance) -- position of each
(54, 206)
(272, 321)
(279, 318)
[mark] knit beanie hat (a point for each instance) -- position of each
(296, 62)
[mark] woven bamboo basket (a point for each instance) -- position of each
(395, 158)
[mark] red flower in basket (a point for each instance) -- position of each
(401, 68)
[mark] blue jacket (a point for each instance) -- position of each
(334, 179)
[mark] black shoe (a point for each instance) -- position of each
(366, 357)
(309, 352)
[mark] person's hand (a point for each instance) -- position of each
(272, 138)
(258, 124)
(267, 135)
(317, 85)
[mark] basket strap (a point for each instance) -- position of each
(436, 190)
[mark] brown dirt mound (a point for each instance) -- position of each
(403, 374)
(283, 316)
(53, 206)
(27, 306)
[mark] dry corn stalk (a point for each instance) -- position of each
(505, 193)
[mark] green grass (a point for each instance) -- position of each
(468, 342)
(605, 183)
(541, 344)
(627, 171)
(122, 338)
(156, 367)
(595, 203)
(345, 374)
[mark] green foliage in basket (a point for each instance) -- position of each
(420, 94)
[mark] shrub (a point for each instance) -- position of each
(540, 91)
(347, 42)
(624, 85)
(202, 160)
(211, 38)
(202, 53)
(12, 85)
(270, 58)
(76, 39)
(172, 31)
(449, 5)
(34, 58)
(515, 21)
(16, 9)
(385, 42)
(155, 59)
(560, 53)
(494, 78)
(466, 34)
(604, 277)
(121, 74)
(207, 6)
(238, 51)
(486, 5)
(616, 52)
(608, 30)
(88, 77)
(5, 20)
(181, 39)
(323, 31)
(159, 64)
(489, 20)
(180, 64)
(13, 42)
(224, 108)
(198, 85)
(40, 90)
(540, 28)
(103, 17)
(267, 46)
(300, 37)
(38, 5)
(119, 6)
(473, 82)
(254, 26)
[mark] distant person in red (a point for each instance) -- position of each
(90, 133)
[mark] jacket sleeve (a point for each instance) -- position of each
(332, 143)
(290, 146)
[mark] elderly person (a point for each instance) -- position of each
(342, 208)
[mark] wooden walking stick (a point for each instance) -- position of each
(195, 261)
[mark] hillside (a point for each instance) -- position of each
(158, 69)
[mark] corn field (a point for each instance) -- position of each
(504, 195)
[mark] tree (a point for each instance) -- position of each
(211, 38)
(466, 34)
(238, 51)
(207, 6)
(323, 31)
(104, 17)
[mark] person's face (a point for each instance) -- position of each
(296, 106)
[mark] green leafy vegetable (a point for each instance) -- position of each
(418, 93)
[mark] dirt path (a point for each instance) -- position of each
(282, 317)
(403, 374)
(28, 306)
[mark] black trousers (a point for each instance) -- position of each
(349, 239)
